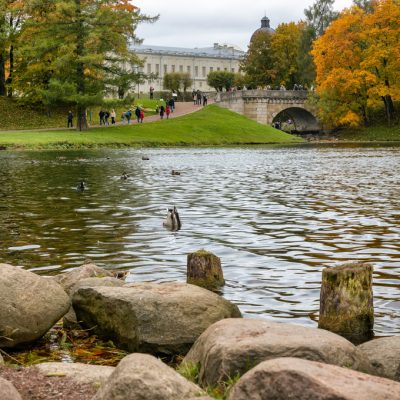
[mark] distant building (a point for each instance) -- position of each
(265, 28)
(198, 62)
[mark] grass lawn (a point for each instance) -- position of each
(376, 133)
(210, 126)
(13, 116)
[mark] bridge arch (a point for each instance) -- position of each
(302, 119)
(264, 106)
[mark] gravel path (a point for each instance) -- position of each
(32, 385)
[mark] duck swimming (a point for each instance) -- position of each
(124, 176)
(175, 172)
(145, 158)
(81, 187)
(172, 221)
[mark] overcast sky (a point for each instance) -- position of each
(189, 23)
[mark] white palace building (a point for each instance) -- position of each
(198, 62)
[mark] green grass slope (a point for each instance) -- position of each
(211, 126)
(14, 116)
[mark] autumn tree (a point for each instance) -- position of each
(12, 17)
(358, 64)
(285, 47)
(71, 47)
(320, 15)
(257, 64)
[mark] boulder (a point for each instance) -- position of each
(29, 305)
(70, 321)
(293, 378)
(95, 375)
(69, 279)
(234, 346)
(8, 391)
(151, 318)
(384, 354)
(144, 377)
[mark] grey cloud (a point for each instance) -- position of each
(201, 23)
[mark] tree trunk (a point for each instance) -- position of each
(2, 74)
(80, 69)
(10, 73)
(204, 269)
(346, 302)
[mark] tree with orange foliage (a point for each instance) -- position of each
(11, 19)
(357, 62)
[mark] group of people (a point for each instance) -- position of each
(104, 116)
(126, 116)
(199, 98)
(167, 110)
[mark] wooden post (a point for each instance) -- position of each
(204, 269)
(346, 302)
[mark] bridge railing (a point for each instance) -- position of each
(265, 94)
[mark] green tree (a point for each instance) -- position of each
(320, 15)
(258, 61)
(366, 5)
(72, 47)
(221, 80)
(175, 81)
(306, 67)
(285, 47)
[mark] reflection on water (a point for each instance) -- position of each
(276, 217)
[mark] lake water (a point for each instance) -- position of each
(276, 216)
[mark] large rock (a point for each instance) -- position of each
(156, 318)
(293, 378)
(384, 355)
(8, 391)
(29, 305)
(144, 377)
(70, 321)
(69, 279)
(234, 346)
(95, 375)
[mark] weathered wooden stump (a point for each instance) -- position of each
(204, 269)
(346, 302)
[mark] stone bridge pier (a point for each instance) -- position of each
(266, 106)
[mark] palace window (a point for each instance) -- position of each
(211, 69)
(165, 68)
(196, 71)
(181, 68)
(149, 68)
(173, 68)
(157, 68)
(189, 69)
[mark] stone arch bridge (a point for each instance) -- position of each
(266, 106)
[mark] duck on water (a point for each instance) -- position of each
(172, 221)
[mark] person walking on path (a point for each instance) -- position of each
(172, 104)
(70, 119)
(167, 111)
(141, 115)
(101, 116)
(162, 111)
(106, 116)
(194, 95)
(113, 115)
(205, 100)
(137, 113)
(128, 116)
(199, 97)
(151, 93)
